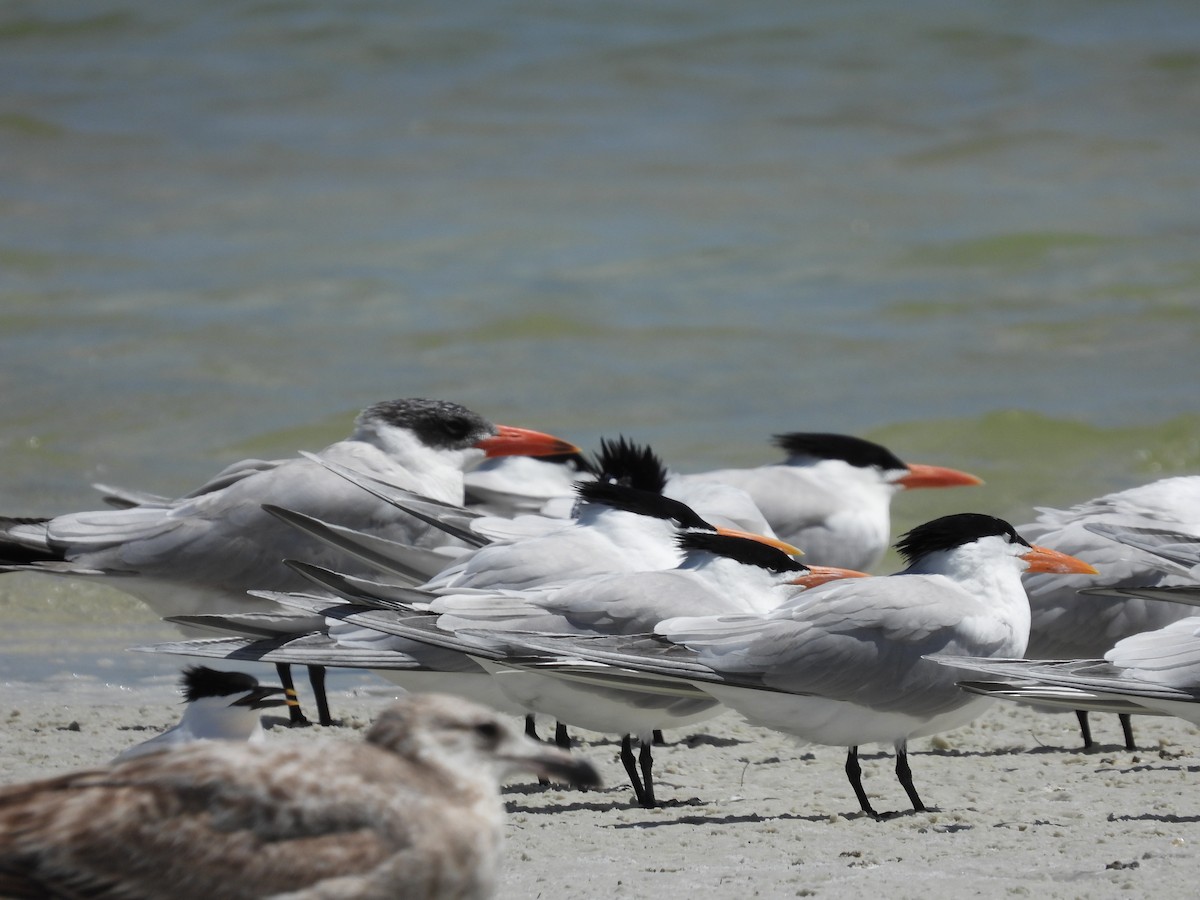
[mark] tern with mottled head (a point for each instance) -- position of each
(202, 552)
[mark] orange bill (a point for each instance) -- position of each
(922, 476)
(762, 539)
(510, 441)
(1043, 559)
(824, 574)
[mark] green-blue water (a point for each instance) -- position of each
(970, 232)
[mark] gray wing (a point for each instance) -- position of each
(1095, 675)
(415, 564)
(625, 603)
(860, 642)
(452, 519)
(1172, 545)
(1068, 698)
(1067, 623)
(307, 650)
(126, 498)
(224, 539)
(1186, 594)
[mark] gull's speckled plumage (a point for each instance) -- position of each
(412, 811)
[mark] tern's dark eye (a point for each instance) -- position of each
(456, 429)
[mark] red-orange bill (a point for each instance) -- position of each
(762, 539)
(824, 574)
(511, 441)
(1043, 559)
(923, 476)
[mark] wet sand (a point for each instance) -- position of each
(1019, 810)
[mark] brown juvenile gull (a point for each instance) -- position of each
(414, 811)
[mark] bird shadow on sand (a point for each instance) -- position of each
(961, 754)
(708, 740)
(1156, 817)
(995, 752)
(749, 819)
(691, 740)
(1149, 767)
(600, 804)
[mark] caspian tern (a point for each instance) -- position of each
(1077, 617)
(832, 495)
(202, 552)
(843, 663)
(220, 706)
(412, 811)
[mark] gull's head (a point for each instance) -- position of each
(439, 728)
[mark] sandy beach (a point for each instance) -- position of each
(1018, 809)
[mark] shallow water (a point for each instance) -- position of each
(968, 232)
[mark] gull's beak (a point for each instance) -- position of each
(510, 441)
(551, 763)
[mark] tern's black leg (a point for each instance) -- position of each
(646, 761)
(905, 775)
(1084, 728)
(854, 773)
(631, 769)
(1127, 729)
(295, 714)
(316, 677)
(561, 738)
(659, 740)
